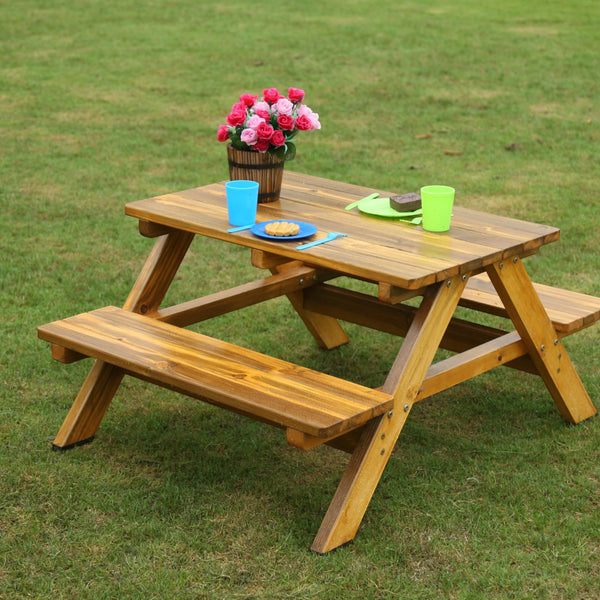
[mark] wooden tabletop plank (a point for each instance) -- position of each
(383, 250)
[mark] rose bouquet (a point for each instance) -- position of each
(269, 124)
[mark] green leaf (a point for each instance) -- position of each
(290, 151)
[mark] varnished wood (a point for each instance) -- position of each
(304, 441)
(393, 295)
(526, 311)
(267, 260)
(326, 330)
(314, 403)
(569, 311)
(90, 405)
(66, 356)
(153, 230)
(470, 363)
(392, 252)
(365, 310)
(104, 379)
(220, 303)
(379, 437)
(403, 260)
(158, 272)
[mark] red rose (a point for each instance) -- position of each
(264, 131)
(261, 145)
(248, 99)
(237, 116)
(303, 123)
(263, 114)
(295, 95)
(223, 133)
(271, 95)
(286, 122)
(278, 138)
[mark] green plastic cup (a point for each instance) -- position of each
(437, 202)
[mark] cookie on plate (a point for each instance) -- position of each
(282, 228)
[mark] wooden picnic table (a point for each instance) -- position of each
(477, 264)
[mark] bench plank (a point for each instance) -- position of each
(241, 380)
(568, 311)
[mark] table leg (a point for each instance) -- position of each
(379, 437)
(103, 381)
(158, 272)
(326, 330)
(529, 317)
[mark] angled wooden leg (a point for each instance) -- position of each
(529, 317)
(380, 435)
(327, 331)
(158, 272)
(99, 388)
(85, 415)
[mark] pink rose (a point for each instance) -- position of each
(278, 138)
(223, 133)
(264, 131)
(254, 121)
(284, 106)
(249, 137)
(262, 105)
(261, 145)
(271, 95)
(263, 110)
(248, 99)
(295, 95)
(286, 122)
(314, 120)
(303, 123)
(305, 111)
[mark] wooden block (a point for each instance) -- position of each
(266, 260)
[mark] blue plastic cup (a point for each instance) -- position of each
(242, 199)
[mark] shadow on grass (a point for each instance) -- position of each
(179, 459)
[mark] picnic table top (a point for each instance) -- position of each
(379, 249)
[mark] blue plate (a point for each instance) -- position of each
(306, 229)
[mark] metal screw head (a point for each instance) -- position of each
(406, 408)
(516, 259)
(390, 414)
(501, 265)
(543, 347)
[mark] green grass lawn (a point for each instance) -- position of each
(488, 493)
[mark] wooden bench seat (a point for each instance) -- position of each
(568, 311)
(305, 402)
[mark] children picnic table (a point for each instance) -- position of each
(477, 264)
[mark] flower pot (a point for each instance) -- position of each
(262, 167)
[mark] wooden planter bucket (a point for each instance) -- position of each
(262, 167)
